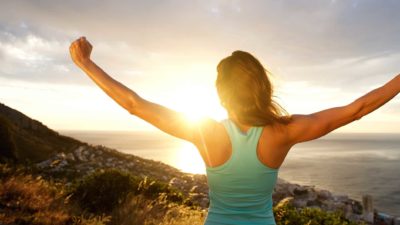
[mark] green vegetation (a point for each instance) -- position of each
(8, 149)
(101, 192)
(112, 197)
(104, 190)
(29, 199)
(286, 214)
(34, 141)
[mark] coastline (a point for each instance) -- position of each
(85, 159)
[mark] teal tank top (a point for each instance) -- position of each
(240, 190)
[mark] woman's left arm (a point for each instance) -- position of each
(167, 120)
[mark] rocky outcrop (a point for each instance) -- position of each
(310, 196)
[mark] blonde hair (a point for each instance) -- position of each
(244, 88)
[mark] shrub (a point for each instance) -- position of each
(152, 189)
(28, 200)
(140, 210)
(102, 191)
(287, 214)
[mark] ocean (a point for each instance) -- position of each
(350, 164)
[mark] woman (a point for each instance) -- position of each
(243, 153)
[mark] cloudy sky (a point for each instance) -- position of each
(322, 53)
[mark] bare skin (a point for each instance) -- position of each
(210, 136)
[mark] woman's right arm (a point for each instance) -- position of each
(312, 126)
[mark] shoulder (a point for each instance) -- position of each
(277, 133)
(209, 130)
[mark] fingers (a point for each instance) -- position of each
(81, 39)
(80, 42)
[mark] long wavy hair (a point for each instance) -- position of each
(244, 88)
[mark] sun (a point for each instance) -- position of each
(196, 103)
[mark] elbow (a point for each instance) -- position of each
(132, 106)
(358, 116)
(359, 110)
(132, 109)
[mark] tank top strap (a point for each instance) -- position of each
(239, 138)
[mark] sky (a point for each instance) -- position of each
(322, 54)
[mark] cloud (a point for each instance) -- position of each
(318, 41)
(28, 56)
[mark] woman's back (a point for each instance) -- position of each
(241, 188)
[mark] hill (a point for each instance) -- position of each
(34, 141)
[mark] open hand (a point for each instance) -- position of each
(80, 51)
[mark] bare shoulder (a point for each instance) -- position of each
(277, 133)
(273, 146)
(209, 131)
(212, 142)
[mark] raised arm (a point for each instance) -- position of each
(167, 120)
(308, 127)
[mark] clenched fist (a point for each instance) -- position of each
(80, 51)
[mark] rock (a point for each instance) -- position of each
(300, 203)
(396, 221)
(331, 205)
(177, 183)
(44, 164)
(78, 154)
(356, 207)
(291, 189)
(340, 198)
(348, 211)
(204, 202)
(301, 190)
(92, 157)
(368, 208)
(70, 157)
(200, 199)
(324, 194)
(314, 203)
(60, 155)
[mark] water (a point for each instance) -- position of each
(349, 164)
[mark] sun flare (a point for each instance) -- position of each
(189, 159)
(196, 104)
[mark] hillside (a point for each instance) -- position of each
(34, 141)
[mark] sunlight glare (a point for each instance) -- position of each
(189, 159)
(197, 103)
